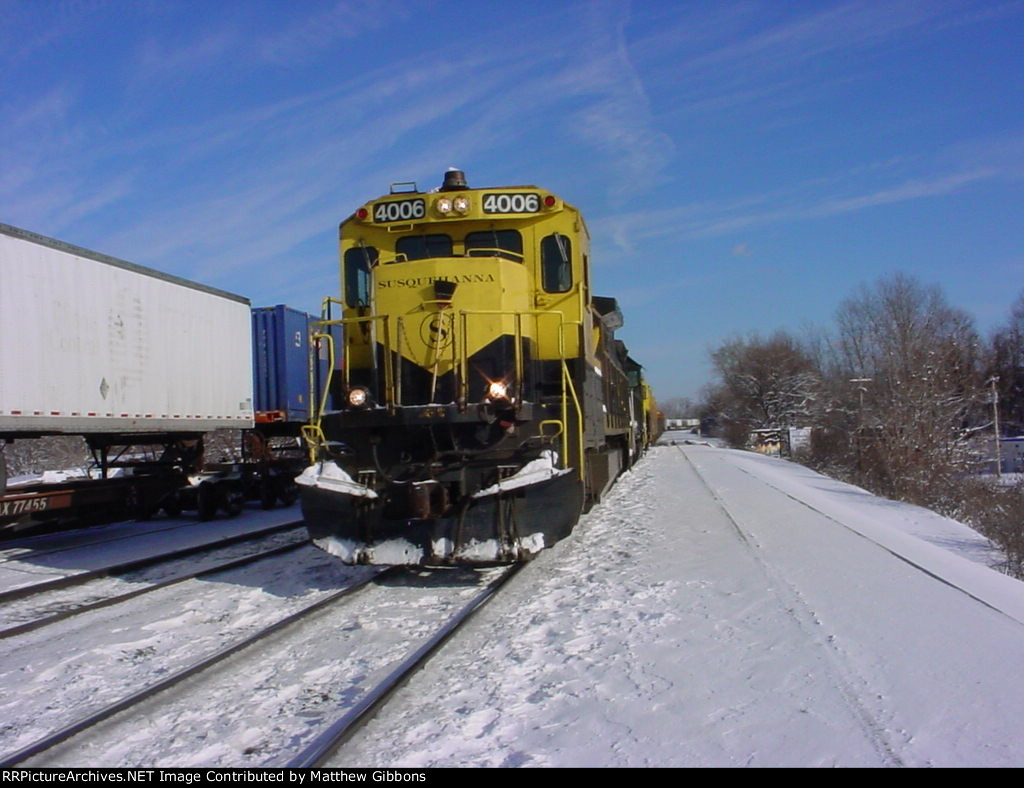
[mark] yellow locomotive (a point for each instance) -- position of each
(480, 401)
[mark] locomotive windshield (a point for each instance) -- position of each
(484, 243)
(490, 243)
(421, 247)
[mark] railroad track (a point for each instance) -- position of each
(334, 725)
(134, 565)
(21, 549)
(60, 607)
(335, 734)
(99, 715)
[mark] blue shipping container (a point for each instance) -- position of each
(280, 346)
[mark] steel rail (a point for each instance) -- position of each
(38, 623)
(16, 552)
(11, 552)
(325, 743)
(77, 578)
(149, 690)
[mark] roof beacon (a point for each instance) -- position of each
(454, 180)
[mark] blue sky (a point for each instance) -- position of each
(743, 166)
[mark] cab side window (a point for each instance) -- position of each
(358, 262)
(556, 263)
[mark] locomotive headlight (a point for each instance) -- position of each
(443, 205)
(497, 391)
(358, 397)
(461, 204)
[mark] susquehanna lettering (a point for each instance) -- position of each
(419, 281)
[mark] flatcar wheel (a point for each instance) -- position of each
(288, 491)
(234, 502)
(268, 492)
(172, 505)
(208, 500)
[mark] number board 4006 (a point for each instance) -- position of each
(399, 210)
(514, 202)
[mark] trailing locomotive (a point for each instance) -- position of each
(485, 402)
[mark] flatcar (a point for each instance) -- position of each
(143, 365)
(484, 400)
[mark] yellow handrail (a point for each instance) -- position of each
(389, 394)
(312, 432)
(322, 404)
(460, 362)
(315, 438)
(567, 385)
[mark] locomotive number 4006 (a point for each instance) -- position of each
(399, 210)
(520, 202)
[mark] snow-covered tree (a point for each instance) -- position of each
(678, 408)
(764, 383)
(916, 362)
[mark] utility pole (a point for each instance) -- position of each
(995, 420)
(860, 416)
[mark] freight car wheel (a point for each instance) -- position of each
(234, 502)
(171, 505)
(268, 492)
(287, 490)
(208, 501)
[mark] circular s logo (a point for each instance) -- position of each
(436, 330)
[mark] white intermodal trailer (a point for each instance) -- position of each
(123, 355)
(93, 344)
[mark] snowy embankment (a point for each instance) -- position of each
(722, 608)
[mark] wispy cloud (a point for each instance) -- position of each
(159, 60)
(910, 190)
(618, 122)
(245, 186)
(801, 39)
(323, 26)
(799, 202)
(747, 55)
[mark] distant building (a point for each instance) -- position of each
(799, 440)
(1011, 454)
(767, 441)
(782, 441)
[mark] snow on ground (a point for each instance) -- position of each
(720, 608)
(27, 561)
(811, 625)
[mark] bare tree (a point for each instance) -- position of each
(57, 452)
(1005, 361)
(765, 383)
(916, 362)
(678, 408)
